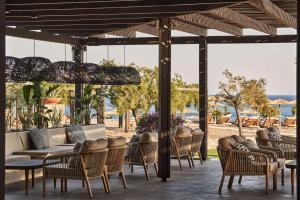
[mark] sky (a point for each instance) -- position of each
(274, 62)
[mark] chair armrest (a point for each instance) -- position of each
(59, 159)
(269, 153)
(278, 152)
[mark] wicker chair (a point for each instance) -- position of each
(242, 163)
(115, 158)
(287, 144)
(143, 151)
(197, 137)
(86, 164)
(181, 145)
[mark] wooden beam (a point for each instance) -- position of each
(193, 40)
(124, 33)
(298, 100)
(274, 11)
(15, 32)
(207, 22)
(242, 20)
(164, 98)
(188, 28)
(148, 29)
(203, 95)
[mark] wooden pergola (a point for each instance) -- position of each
(87, 22)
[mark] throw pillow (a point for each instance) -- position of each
(250, 144)
(225, 144)
(242, 147)
(39, 138)
(75, 134)
(274, 134)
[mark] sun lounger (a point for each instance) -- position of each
(289, 122)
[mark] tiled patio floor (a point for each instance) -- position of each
(200, 182)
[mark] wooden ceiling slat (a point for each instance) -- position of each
(188, 28)
(145, 28)
(243, 20)
(207, 22)
(274, 11)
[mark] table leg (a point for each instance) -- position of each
(292, 179)
(26, 181)
(32, 178)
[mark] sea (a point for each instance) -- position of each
(286, 110)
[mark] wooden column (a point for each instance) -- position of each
(127, 120)
(72, 106)
(298, 100)
(2, 102)
(203, 94)
(78, 59)
(164, 98)
(101, 106)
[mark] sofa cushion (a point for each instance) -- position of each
(118, 141)
(43, 153)
(39, 138)
(57, 136)
(17, 141)
(262, 134)
(94, 132)
(250, 144)
(75, 134)
(14, 158)
(239, 139)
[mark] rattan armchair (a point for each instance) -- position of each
(238, 163)
(143, 152)
(287, 145)
(181, 147)
(84, 165)
(115, 158)
(197, 137)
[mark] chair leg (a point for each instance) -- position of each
(189, 161)
(146, 171)
(275, 181)
(267, 183)
(179, 161)
(230, 181)
(200, 157)
(83, 183)
(123, 179)
(282, 176)
(89, 188)
(44, 186)
(61, 185)
(192, 160)
(240, 179)
(66, 185)
(131, 168)
(221, 183)
(107, 180)
(54, 182)
(155, 167)
(104, 184)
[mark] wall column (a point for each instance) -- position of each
(164, 98)
(203, 93)
(2, 102)
(298, 100)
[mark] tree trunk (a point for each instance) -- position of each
(136, 115)
(239, 120)
(100, 110)
(127, 121)
(121, 120)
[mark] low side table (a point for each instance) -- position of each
(26, 165)
(292, 165)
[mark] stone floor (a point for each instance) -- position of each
(200, 182)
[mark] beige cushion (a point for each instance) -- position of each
(39, 138)
(94, 132)
(75, 134)
(93, 145)
(262, 134)
(239, 139)
(17, 141)
(46, 152)
(14, 158)
(225, 144)
(118, 141)
(57, 136)
(250, 144)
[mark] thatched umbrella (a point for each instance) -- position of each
(279, 102)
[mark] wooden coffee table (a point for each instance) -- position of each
(26, 165)
(292, 165)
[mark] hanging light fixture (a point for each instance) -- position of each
(10, 64)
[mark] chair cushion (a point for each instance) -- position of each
(14, 158)
(250, 144)
(93, 145)
(241, 147)
(39, 138)
(182, 130)
(262, 134)
(135, 138)
(147, 138)
(75, 134)
(118, 141)
(225, 144)
(274, 134)
(43, 153)
(239, 139)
